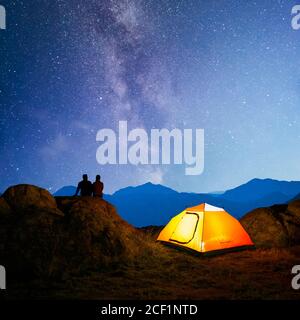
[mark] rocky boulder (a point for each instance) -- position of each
(5, 210)
(42, 236)
(5, 216)
(32, 243)
(24, 196)
(94, 230)
(276, 226)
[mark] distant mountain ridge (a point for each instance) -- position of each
(154, 204)
(260, 188)
(297, 197)
(65, 191)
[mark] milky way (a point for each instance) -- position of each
(70, 68)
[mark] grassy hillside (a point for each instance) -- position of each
(172, 274)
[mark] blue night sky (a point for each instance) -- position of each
(71, 67)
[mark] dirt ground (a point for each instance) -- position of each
(174, 274)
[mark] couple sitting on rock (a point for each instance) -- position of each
(87, 188)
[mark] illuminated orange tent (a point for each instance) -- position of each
(205, 228)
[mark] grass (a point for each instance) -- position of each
(162, 272)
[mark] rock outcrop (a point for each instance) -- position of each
(24, 196)
(43, 236)
(5, 211)
(276, 226)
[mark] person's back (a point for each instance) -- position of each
(85, 187)
(98, 187)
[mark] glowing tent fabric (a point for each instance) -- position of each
(205, 228)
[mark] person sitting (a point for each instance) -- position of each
(98, 187)
(85, 187)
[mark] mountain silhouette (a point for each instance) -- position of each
(257, 189)
(65, 191)
(154, 204)
(297, 197)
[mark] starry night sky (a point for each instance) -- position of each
(71, 67)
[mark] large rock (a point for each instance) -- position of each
(33, 241)
(23, 196)
(276, 226)
(96, 233)
(5, 210)
(5, 218)
(29, 230)
(71, 235)
(294, 207)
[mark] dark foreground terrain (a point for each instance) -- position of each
(80, 248)
(172, 274)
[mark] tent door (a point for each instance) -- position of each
(185, 229)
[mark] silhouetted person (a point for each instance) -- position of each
(98, 187)
(85, 187)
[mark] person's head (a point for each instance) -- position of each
(98, 178)
(85, 177)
